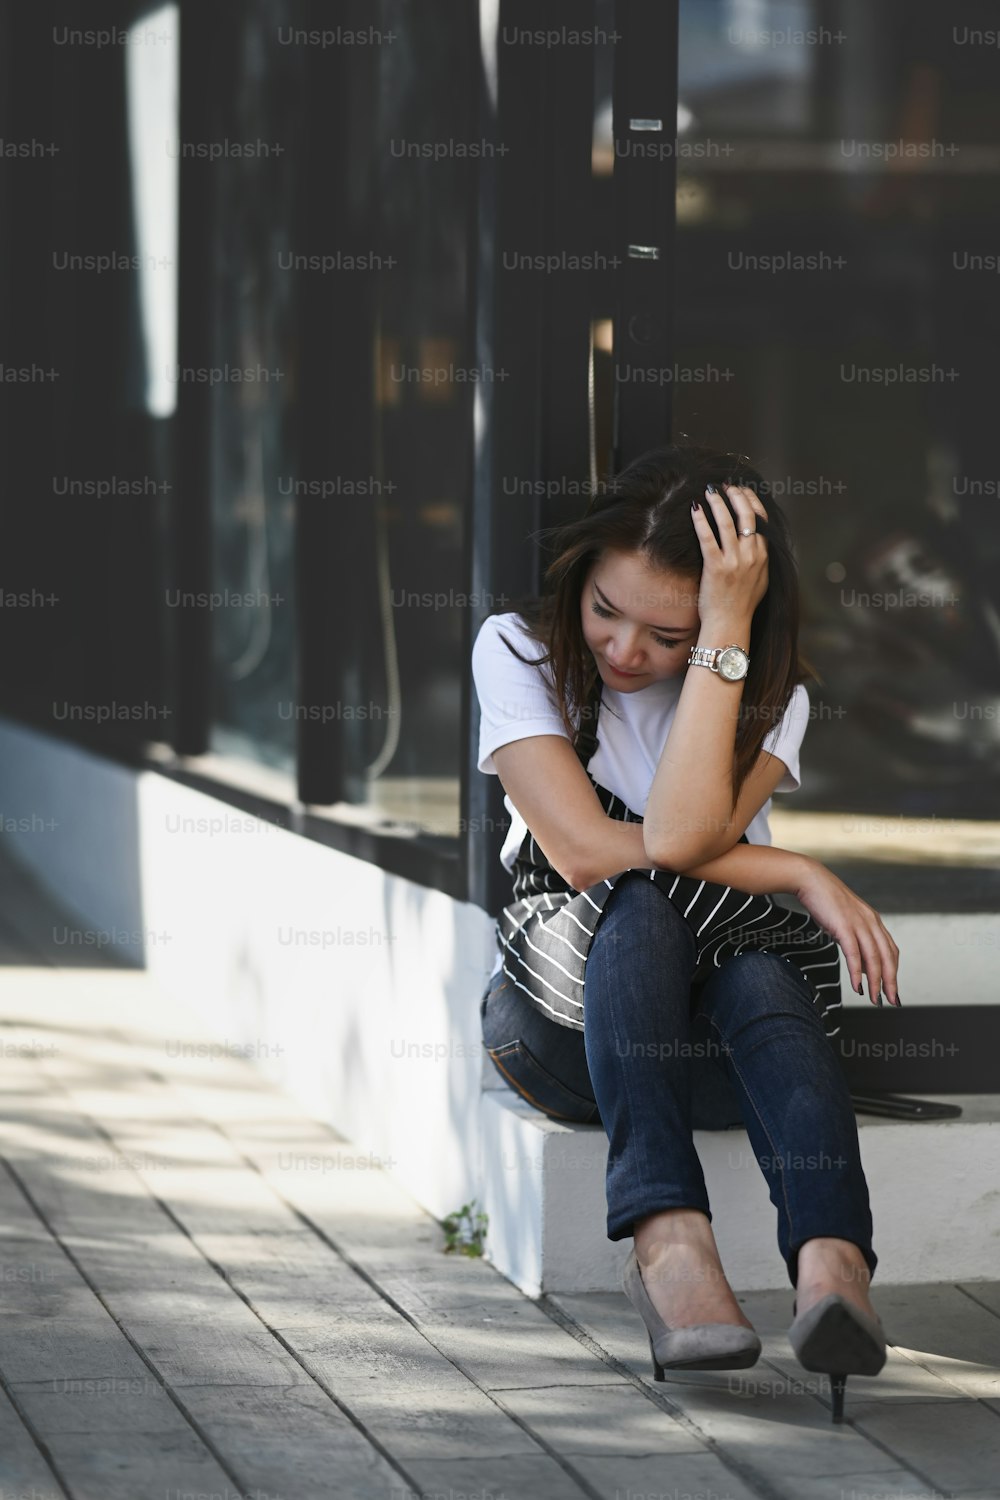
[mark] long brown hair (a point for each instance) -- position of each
(647, 509)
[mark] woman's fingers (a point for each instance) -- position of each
(879, 958)
(722, 513)
(872, 963)
(703, 529)
(867, 945)
(864, 953)
(890, 958)
(852, 956)
(746, 505)
(724, 516)
(881, 966)
(754, 501)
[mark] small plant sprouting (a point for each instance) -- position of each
(465, 1231)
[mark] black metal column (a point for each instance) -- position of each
(569, 241)
(645, 180)
(533, 326)
(334, 539)
(207, 39)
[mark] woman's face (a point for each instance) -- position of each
(640, 623)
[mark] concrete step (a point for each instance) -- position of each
(933, 1185)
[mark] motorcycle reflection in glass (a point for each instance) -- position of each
(914, 650)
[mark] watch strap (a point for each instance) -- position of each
(707, 656)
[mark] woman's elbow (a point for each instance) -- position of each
(583, 867)
(578, 876)
(669, 857)
(681, 854)
(573, 866)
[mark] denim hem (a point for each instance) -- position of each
(792, 1258)
(621, 1227)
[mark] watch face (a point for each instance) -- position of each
(732, 663)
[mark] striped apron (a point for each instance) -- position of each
(545, 933)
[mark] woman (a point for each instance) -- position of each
(645, 980)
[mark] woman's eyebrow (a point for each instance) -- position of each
(661, 629)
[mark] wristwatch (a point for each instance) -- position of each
(730, 662)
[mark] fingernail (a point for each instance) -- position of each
(710, 489)
(696, 505)
(861, 989)
(897, 1000)
(879, 999)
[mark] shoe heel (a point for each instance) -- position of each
(657, 1367)
(838, 1340)
(837, 1384)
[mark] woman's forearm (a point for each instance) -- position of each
(695, 768)
(758, 869)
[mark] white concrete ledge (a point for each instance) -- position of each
(933, 1188)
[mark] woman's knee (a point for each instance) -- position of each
(645, 910)
(756, 983)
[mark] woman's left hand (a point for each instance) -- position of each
(734, 575)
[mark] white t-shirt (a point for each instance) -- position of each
(515, 704)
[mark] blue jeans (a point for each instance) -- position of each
(650, 1066)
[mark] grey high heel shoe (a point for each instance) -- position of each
(837, 1339)
(703, 1346)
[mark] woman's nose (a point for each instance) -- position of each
(626, 652)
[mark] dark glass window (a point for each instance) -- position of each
(836, 192)
(253, 385)
(403, 757)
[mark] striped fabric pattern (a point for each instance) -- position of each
(545, 933)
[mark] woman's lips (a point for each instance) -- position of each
(619, 673)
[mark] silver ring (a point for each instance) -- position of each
(748, 532)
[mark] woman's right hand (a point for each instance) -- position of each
(857, 927)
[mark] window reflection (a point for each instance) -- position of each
(253, 396)
(406, 765)
(816, 273)
(151, 99)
